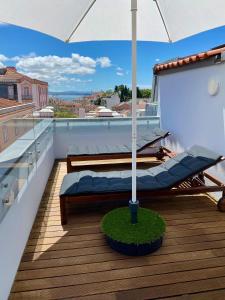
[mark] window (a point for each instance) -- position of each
(26, 91)
(10, 92)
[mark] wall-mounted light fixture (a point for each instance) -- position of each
(213, 87)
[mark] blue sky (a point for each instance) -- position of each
(91, 66)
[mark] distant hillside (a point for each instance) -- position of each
(69, 93)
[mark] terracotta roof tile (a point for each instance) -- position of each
(176, 63)
(8, 103)
(11, 75)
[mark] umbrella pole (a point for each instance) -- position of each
(133, 202)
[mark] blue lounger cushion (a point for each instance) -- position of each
(143, 141)
(165, 176)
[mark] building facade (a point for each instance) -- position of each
(15, 120)
(21, 88)
(191, 93)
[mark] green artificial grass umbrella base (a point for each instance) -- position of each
(141, 238)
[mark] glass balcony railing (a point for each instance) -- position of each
(23, 143)
(19, 159)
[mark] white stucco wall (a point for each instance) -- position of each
(19, 92)
(97, 133)
(191, 114)
(16, 225)
(35, 96)
(112, 101)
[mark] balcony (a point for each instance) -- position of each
(74, 261)
(27, 97)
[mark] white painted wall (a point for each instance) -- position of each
(191, 114)
(35, 97)
(112, 101)
(19, 92)
(99, 133)
(16, 225)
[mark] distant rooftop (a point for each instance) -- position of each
(187, 60)
(10, 74)
(8, 103)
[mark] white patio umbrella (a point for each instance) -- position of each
(94, 20)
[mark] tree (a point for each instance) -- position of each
(97, 101)
(122, 96)
(146, 93)
(125, 93)
(64, 114)
(139, 93)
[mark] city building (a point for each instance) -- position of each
(191, 96)
(110, 101)
(12, 109)
(103, 112)
(23, 89)
(13, 121)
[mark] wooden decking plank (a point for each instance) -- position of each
(210, 295)
(75, 232)
(96, 217)
(50, 254)
(69, 243)
(181, 289)
(204, 219)
(213, 276)
(118, 274)
(89, 227)
(193, 257)
(100, 258)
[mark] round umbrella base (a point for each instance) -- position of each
(135, 239)
(133, 249)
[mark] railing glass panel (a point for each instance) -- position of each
(22, 142)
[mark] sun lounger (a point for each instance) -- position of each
(180, 175)
(117, 151)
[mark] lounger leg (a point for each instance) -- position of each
(221, 203)
(69, 165)
(160, 154)
(202, 177)
(63, 211)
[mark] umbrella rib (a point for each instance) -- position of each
(164, 22)
(81, 20)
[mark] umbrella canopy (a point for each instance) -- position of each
(93, 20)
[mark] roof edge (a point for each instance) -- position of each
(187, 60)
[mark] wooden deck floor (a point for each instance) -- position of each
(74, 262)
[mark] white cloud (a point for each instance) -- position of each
(121, 72)
(84, 60)
(157, 59)
(53, 64)
(3, 57)
(104, 62)
(18, 58)
(59, 70)
(80, 80)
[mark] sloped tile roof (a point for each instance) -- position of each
(8, 103)
(11, 75)
(181, 62)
